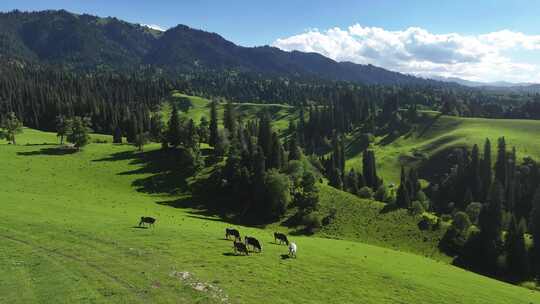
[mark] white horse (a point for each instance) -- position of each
(292, 250)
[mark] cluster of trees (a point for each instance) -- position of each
(515, 106)
(494, 204)
(260, 178)
(10, 126)
(37, 95)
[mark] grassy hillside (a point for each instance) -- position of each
(68, 235)
(281, 114)
(438, 134)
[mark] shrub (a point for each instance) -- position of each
(312, 222)
(473, 211)
(383, 195)
(327, 220)
(461, 222)
(365, 192)
(417, 208)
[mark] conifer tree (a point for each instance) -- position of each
(486, 170)
(174, 133)
(10, 126)
(535, 231)
(61, 127)
(213, 127)
(501, 163)
(229, 119)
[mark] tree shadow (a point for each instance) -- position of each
(57, 151)
(139, 227)
(388, 208)
(166, 170)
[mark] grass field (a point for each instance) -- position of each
(68, 235)
(437, 135)
(280, 114)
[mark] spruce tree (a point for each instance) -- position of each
(174, 135)
(213, 127)
(517, 257)
(500, 164)
(229, 119)
(534, 222)
(10, 126)
(486, 170)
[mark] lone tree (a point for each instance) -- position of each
(62, 126)
(78, 131)
(10, 126)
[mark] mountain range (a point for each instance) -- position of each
(85, 42)
(492, 86)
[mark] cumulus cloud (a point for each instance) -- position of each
(155, 27)
(486, 57)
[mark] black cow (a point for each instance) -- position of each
(147, 220)
(240, 247)
(253, 242)
(281, 237)
(233, 232)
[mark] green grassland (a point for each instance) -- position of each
(437, 135)
(68, 235)
(280, 114)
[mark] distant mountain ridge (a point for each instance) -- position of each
(497, 85)
(90, 42)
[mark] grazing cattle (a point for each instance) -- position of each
(253, 242)
(233, 232)
(240, 247)
(281, 237)
(147, 220)
(292, 250)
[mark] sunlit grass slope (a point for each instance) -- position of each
(67, 235)
(280, 114)
(438, 134)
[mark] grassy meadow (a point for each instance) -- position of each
(437, 135)
(68, 234)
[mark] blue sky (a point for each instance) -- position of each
(282, 23)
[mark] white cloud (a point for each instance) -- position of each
(155, 27)
(486, 57)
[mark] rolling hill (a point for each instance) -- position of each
(69, 234)
(436, 135)
(84, 42)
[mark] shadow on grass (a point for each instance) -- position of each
(49, 151)
(139, 227)
(285, 256)
(232, 254)
(166, 171)
(389, 208)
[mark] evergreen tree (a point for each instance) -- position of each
(490, 224)
(10, 126)
(265, 135)
(203, 130)
(229, 118)
(78, 134)
(213, 127)
(117, 135)
(369, 170)
(61, 127)
(294, 151)
(174, 133)
(500, 164)
(535, 231)
(156, 128)
(276, 159)
(517, 256)
(486, 170)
